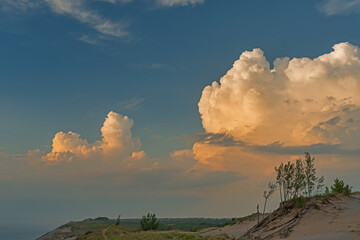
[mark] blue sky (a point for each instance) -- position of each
(54, 81)
(64, 66)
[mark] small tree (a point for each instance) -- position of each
(288, 171)
(310, 173)
(149, 222)
(118, 220)
(267, 194)
(299, 178)
(340, 187)
(280, 179)
(320, 184)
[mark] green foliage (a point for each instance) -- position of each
(327, 190)
(280, 178)
(118, 232)
(340, 187)
(149, 222)
(298, 179)
(310, 173)
(288, 177)
(117, 221)
(268, 193)
(299, 202)
(192, 224)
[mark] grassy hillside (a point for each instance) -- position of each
(76, 228)
(121, 233)
(79, 228)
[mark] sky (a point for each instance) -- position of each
(177, 107)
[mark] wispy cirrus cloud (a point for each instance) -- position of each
(115, 1)
(8, 5)
(337, 7)
(174, 3)
(77, 10)
(132, 103)
(89, 39)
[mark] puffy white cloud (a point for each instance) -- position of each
(172, 3)
(335, 7)
(116, 142)
(300, 101)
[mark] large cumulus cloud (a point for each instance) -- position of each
(300, 101)
(116, 142)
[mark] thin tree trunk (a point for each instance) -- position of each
(264, 208)
(280, 194)
(258, 214)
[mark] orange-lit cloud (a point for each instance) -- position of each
(116, 142)
(299, 102)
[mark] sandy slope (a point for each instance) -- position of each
(341, 221)
(335, 218)
(235, 230)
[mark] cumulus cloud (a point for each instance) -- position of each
(336, 7)
(299, 102)
(173, 3)
(116, 142)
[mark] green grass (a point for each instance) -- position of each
(121, 233)
(191, 224)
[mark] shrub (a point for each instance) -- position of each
(149, 222)
(340, 187)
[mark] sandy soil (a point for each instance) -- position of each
(337, 222)
(235, 230)
(336, 218)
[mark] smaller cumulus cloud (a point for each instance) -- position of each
(337, 7)
(173, 3)
(116, 142)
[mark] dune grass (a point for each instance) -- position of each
(121, 233)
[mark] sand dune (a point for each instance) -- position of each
(332, 218)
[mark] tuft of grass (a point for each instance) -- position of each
(299, 202)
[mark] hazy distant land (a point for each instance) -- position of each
(322, 218)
